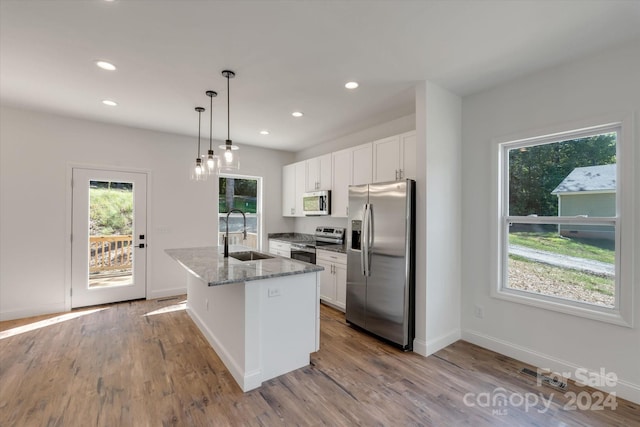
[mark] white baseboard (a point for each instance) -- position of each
(247, 381)
(426, 348)
(33, 311)
(420, 347)
(163, 293)
(624, 389)
(443, 341)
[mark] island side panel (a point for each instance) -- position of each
(222, 323)
(288, 323)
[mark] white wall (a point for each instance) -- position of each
(382, 130)
(438, 233)
(437, 122)
(606, 84)
(37, 151)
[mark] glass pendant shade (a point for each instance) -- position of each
(198, 172)
(212, 161)
(229, 161)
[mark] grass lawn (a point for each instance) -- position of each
(595, 249)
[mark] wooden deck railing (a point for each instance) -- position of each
(236, 239)
(108, 253)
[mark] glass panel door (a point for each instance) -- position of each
(109, 236)
(110, 233)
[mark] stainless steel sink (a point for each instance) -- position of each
(249, 256)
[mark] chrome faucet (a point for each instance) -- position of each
(226, 235)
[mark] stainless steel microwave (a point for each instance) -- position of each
(316, 203)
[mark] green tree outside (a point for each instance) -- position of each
(111, 210)
(237, 193)
(534, 172)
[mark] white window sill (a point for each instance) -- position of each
(589, 311)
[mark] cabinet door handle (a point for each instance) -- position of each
(396, 174)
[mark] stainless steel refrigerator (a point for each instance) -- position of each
(381, 260)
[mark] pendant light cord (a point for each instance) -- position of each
(228, 109)
(211, 123)
(199, 118)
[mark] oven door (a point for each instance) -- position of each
(303, 253)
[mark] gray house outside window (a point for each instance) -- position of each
(588, 191)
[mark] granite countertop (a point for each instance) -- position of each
(302, 238)
(342, 249)
(208, 263)
(292, 237)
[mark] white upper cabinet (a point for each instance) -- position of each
(394, 158)
(341, 180)
(293, 187)
(409, 155)
(387, 159)
(319, 174)
(352, 166)
(289, 190)
(301, 178)
(362, 164)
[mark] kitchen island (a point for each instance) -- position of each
(261, 316)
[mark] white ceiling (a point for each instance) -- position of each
(288, 55)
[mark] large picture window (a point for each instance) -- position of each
(243, 193)
(560, 220)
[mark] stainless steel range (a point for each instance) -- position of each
(305, 250)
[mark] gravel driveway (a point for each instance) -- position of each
(543, 275)
(565, 261)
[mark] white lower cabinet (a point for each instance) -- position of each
(333, 280)
(278, 247)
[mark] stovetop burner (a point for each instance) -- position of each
(324, 236)
(329, 235)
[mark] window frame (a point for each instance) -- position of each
(258, 215)
(622, 312)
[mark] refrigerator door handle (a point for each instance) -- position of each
(370, 232)
(364, 251)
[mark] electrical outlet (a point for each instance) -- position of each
(478, 311)
(273, 292)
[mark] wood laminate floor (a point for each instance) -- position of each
(145, 363)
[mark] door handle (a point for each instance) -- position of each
(364, 251)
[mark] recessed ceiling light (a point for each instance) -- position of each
(351, 85)
(106, 65)
(297, 114)
(264, 132)
(109, 102)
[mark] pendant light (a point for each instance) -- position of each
(212, 159)
(197, 171)
(229, 161)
